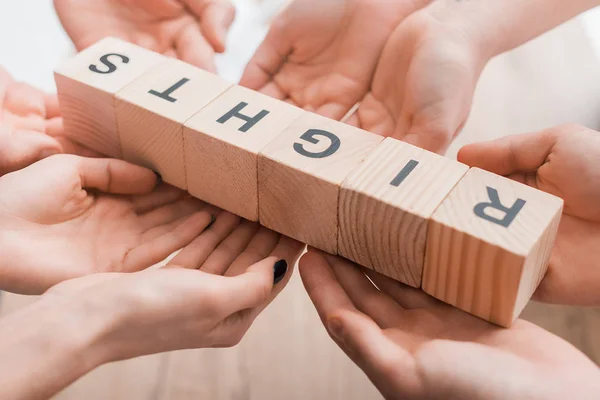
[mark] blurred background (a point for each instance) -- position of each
(287, 354)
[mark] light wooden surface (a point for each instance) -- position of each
(287, 354)
(86, 82)
(221, 149)
(299, 177)
(490, 268)
(151, 112)
(385, 205)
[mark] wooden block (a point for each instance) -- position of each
(87, 85)
(151, 112)
(222, 143)
(385, 206)
(300, 173)
(489, 244)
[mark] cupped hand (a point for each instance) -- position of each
(412, 346)
(192, 302)
(191, 30)
(68, 216)
(321, 55)
(425, 80)
(561, 161)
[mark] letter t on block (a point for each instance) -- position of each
(489, 244)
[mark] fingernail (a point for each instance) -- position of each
(158, 178)
(279, 270)
(213, 218)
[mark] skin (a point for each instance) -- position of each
(561, 161)
(191, 30)
(86, 322)
(412, 346)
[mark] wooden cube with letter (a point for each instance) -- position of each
(151, 112)
(489, 244)
(222, 143)
(385, 206)
(87, 85)
(300, 173)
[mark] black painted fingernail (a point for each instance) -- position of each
(158, 178)
(279, 270)
(213, 218)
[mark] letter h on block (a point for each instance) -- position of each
(87, 85)
(300, 174)
(489, 244)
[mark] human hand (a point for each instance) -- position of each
(25, 113)
(412, 346)
(191, 30)
(561, 161)
(424, 83)
(68, 216)
(321, 55)
(101, 318)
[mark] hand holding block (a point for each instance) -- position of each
(87, 85)
(222, 143)
(489, 244)
(385, 205)
(300, 173)
(151, 112)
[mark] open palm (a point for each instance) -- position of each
(67, 216)
(191, 30)
(321, 55)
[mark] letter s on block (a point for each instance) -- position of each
(310, 137)
(510, 213)
(106, 61)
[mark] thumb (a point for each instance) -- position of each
(22, 148)
(255, 286)
(511, 154)
(215, 19)
(115, 176)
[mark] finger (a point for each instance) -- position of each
(366, 297)
(52, 105)
(193, 48)
(195, 254)
(408, 297)
(23, 148)
(156, 250)
(215, 19)
(154, 222)
(511, 154)
(272, 89)
(261, 245)
(115, 176)
(230, 248)
(25, 100)
(164, 194)
(267, 60)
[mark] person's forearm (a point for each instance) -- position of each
(501, 25)
(47, 346)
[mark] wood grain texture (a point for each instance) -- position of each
(87, 98)
(151, 112)
(385, 206)
(221, 149)
(480, 266)
(298, 194)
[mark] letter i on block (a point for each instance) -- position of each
(222, 143)
(489, 244)
(385, 206)
(151, 112)
(87, 85)
(300, 173)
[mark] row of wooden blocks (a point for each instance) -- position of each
(473, 239)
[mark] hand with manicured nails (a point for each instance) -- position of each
(86, 322)
(68, 216)
(321, 55)
(412, 346)
(191, 30)
(562, 161)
